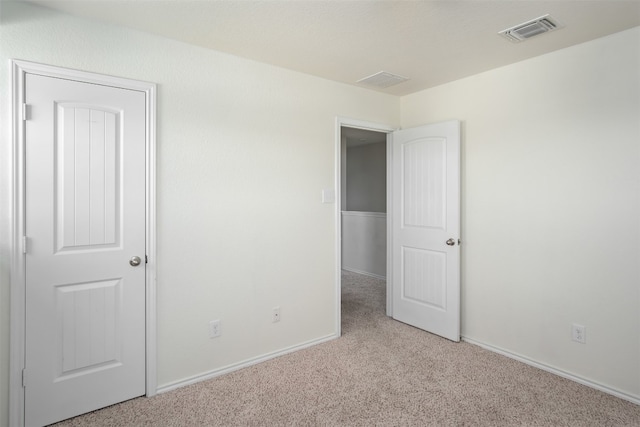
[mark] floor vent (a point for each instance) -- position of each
(383, 79)
(528, 29)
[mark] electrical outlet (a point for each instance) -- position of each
(214, 329)
(275, 314)
(579, 333)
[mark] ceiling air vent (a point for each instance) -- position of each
(528, 29)
(383, 79)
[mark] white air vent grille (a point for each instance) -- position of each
(383, 79)
(528, 29)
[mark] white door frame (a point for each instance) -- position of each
(18, 284)
(376, 127)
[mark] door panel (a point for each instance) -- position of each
(89, 325)
(426, 213)
(424, 266)
(424, 183)
(85, 218)
(88, 186)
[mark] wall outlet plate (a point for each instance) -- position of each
(275, 314)
(214, 329)
(579, 333)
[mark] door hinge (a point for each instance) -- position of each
(24, 111)
(146, 259)
(24, 244)
(24, 378)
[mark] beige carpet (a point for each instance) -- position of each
(382, 373)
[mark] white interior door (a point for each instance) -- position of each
(85, 221)
(426, 227)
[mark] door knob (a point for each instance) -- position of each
(135, 261)
(451, 242)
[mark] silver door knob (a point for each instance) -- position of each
(135, 261)
(451, 242)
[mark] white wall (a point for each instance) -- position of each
(551, 205)
(364, 243)
(244, 150)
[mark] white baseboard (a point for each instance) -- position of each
(364, 273)
(249, 362)
(244, 364)
(589, 383)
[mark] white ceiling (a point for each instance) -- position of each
(430, 42)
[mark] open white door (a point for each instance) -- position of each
(426, 227)
(85, 247)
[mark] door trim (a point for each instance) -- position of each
(358, 124)
(18, 300)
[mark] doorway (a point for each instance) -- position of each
(422, 226)
(362, 202)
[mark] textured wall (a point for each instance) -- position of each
(551, 205)
(244, 150)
